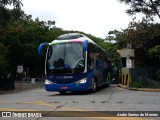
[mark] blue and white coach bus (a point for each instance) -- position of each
(75, 63)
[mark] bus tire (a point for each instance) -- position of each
(94, 88)
(62, 92)
(106, 85)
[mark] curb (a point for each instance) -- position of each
(139, 89)
(10, 91)
(18, 90)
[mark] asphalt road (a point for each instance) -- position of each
(106, 99)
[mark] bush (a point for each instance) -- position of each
(136, 84)
(158, 74)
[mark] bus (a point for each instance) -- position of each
(75, 63)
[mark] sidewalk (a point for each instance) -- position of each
(18, 90)
(139, 89)
(11, 91)
(23, 86)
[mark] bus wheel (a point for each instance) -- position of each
(94, 88)
(62, 92)
(106, 85)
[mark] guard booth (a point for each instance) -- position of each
(127, 61)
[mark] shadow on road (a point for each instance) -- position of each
(100, 89)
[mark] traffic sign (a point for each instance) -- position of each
(20, 69)
(129, 64)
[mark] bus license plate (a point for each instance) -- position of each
(64, 88)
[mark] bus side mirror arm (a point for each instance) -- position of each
(41, 46)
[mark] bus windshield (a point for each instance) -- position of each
(65, 58)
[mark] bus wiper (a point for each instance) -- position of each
(55, 71)
(50, 72)
(77, 70)
(73, 70)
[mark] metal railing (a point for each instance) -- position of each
(144, 77)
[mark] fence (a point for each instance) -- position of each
(6, 84)
(144, 77)
(28, 84)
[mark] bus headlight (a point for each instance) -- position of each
(47, 82)
(82, 81)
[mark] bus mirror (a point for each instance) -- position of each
(41, 46)
(85, 45)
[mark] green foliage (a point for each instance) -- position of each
(144, 38)
(7, 14)
(141, 85)
(158, 74)
(147, 38)
(155, 51)
(136, 84)
(116, 40)
(148, 7)
(3, 61)
(120, 37)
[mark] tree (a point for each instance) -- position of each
(120, 37)
(3, 61)
(5, 13)
(155, 51)
(144, 38)
(148, 7)
(16, 3)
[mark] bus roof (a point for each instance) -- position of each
(71, 37)
(74, 37)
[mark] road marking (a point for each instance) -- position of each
(39, 102)
(42, 103)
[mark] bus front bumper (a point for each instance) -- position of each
(76, 86)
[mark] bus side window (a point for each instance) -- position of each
(97, 63)
(89, 63)
(90, 56)
(101, 64)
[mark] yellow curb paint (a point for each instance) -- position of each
(39, 102)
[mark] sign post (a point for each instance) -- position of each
(20, 70)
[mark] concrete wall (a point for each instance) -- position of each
(125, 70)
(129, 63)
(126, 52)
(28, 84)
